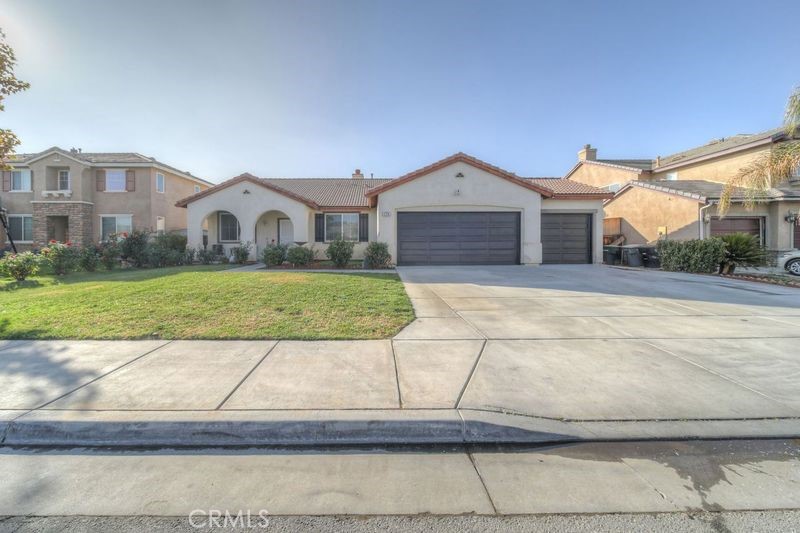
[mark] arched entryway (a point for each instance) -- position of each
(274, 227)
(221, 231)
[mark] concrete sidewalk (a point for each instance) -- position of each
(503, 354)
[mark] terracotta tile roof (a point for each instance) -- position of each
(562, 187)
(329, 192)
(703, 190)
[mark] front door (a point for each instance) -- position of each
(285, 231)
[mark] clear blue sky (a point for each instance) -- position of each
(317, 88)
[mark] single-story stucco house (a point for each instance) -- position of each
(459, 210)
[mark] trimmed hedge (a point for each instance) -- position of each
(698, 255)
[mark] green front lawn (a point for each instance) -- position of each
(204, 302)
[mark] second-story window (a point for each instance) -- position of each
(160, 182)
(63, 180)
(115, 180)
(20, 180)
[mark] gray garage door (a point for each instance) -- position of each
(566, 238)
(463, 238)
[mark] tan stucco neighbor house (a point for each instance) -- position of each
(459, 210)
(71, 195)
(677, 196)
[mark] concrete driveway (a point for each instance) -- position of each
(601, 343)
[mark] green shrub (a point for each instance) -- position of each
(61, 257)
(340, 251)
(189, 256)
(698, 255)
(274, 254)
(157, 256)
(223, 260)
(206, 256)
(171, 241)
(89, 258)
(741, 249)
(133, 248)
(20, 266)
(109, 254)
(300, 255)
(377, 255)
(241, 253)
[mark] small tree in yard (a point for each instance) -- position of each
(340, 251)
(9, 84)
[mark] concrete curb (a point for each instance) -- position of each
(357, 427)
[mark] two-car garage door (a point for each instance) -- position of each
(458, 238)
(488, 238)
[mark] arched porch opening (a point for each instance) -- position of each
(275, 227)
(221, 232)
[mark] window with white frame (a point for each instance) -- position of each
(21, 180)
(115, 224)
(20, 227)
(160, 182)
(672, 176)
(63, 180)
(161, 224)
(196, 189)
(614, 187)
(229, 230)
(115, 180)
(341, 226)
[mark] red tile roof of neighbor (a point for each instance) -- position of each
(320, 193)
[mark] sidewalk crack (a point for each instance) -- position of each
(471, 374)
(483, 482)
(396, 375)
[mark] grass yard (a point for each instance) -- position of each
(204, 302)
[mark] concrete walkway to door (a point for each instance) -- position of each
(508, 354)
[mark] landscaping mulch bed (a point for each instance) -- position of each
(771, 279)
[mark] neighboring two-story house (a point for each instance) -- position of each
(71, 195)
(676, 196)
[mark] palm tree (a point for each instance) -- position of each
(772, 168)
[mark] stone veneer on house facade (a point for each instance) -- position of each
(79, 216)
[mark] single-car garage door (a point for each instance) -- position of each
(726, 226)
(458, 238)
(566, 238)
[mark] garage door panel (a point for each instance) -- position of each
(566, 238)
(450, 238)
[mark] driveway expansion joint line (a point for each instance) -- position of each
(227, 397)
(722, 376)
(471, 374)
(483, 483)
(396, 375)
(12, 345)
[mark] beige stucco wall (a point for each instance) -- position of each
(478, 191)
(644, 210)
(601, 175)
(592, 207)
(719, 169)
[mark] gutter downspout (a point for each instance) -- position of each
(701, 222)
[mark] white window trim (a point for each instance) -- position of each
(23, 227)
(163, 182)
(115, 215)
(69, 180)
(613, 187)
(124, 180)
(673, 173)
(30, 180)
(325, 218)
(163, 220)
(219, 228)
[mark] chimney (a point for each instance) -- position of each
(357, 175)
(588, 153)
(658, 161)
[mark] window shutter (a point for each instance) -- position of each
(100, 181)
(363, 227)
(6, 180)
(130, 180)
(319, 227)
